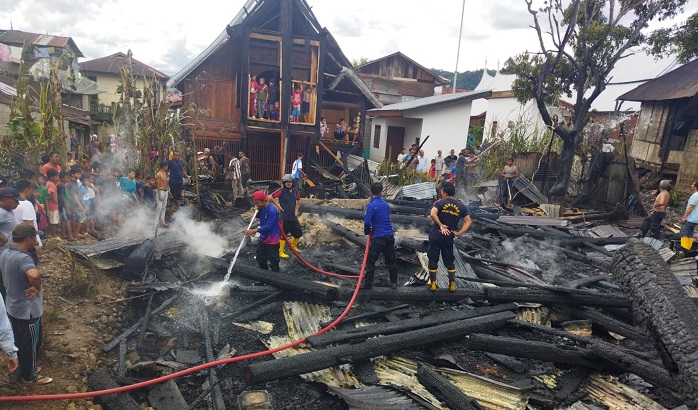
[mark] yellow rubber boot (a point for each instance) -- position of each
(294, 244)
(452, 286)
(432, 281)
(282, 246)
(452, 280)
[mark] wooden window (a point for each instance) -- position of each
(377, 137)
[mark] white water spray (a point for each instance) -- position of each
(237, 252)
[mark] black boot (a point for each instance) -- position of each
(393, 278)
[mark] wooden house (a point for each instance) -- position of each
(278, 40)
(397, 78)
(666, 136)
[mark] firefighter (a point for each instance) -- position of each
(288, 199)
(377, 223)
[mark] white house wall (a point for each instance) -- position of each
(505, 110)
(413, 129)
(447, 128)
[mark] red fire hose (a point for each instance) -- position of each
(73, 396)
(311, 267)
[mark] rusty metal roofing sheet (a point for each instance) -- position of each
(608, 391)
(354, 161)
(489, 394)
(420, 192)
(679, 83)
(376, 397)
(462, 269)
(606, 231)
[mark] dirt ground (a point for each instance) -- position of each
(80, 317)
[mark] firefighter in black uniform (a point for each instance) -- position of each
(288, 200)
(446, 213)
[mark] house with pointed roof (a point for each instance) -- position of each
(666, 136)
(106, 71)
(397, 78)
(280, 41)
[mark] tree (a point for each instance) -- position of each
(680, 39)
(360, 61)
(581, 44)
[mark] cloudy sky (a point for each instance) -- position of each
(166, 35)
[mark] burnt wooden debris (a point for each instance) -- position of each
(532, 283)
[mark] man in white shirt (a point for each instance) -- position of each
(439, 163)
(422, 164)
(607, 147)
(25, 212)
(401, 156)
(690, 217)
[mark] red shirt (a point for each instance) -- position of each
(52, 203)
(48, 166)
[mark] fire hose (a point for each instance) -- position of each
(313, 268)
(73, 396)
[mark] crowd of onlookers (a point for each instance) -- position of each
(462, 169)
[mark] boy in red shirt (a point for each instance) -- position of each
(53, 180)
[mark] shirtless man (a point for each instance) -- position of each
(653, 223)
(162, 191)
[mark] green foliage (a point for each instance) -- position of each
(360, 61)
(681, 39)
(580, 45)
(467, 80)
(512, 140)
(400, 176)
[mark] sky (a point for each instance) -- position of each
(167, 35)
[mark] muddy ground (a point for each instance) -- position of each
(84, 311)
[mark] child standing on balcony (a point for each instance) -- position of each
(306, 104)
(262, 99)
(296, 100)
(254, 86)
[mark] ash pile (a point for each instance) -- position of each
(550, 312)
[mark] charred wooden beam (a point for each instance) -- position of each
(445, 390)
(101, 380)
(144, 325)
(572, 254)
(412, 294)
(259, 312)
(659, 302)
(348, 234)
(217, 393)
(355, 318)
(610, 324)
(167, 396)
(418, 245)
(574, 297)
(285, 281)
(136, 326)
(567, 388)
(321, 359)
(364, 332)
(252, 306)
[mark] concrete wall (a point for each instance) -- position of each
(111, 83)
(505, 110)
(447, 128)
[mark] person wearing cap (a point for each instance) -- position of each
(288, 200)
(3, 182)
(24, 300)
(9, 200)
(268, 244)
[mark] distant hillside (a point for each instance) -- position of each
(467, 80)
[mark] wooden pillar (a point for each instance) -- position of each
(245, 87)
(286, 19)
(322, 52)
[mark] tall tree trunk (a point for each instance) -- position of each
(558, 191)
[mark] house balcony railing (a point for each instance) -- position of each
(102, 109)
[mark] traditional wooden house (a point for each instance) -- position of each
(666, 136)
(397, 78)
(279, 41)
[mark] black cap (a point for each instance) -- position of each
(25, 231)
(9, 193)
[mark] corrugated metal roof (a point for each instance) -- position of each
(423, 191)
(606, 231)
(376, 397)
(354, 161)
(17, 38)
(526, 188)
(614, 395)
(429, 102)
(462, 269)
(532, 220)
(680, 83)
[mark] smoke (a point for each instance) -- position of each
(526, 255)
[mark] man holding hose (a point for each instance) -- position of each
(268, 244)
(377, 223)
